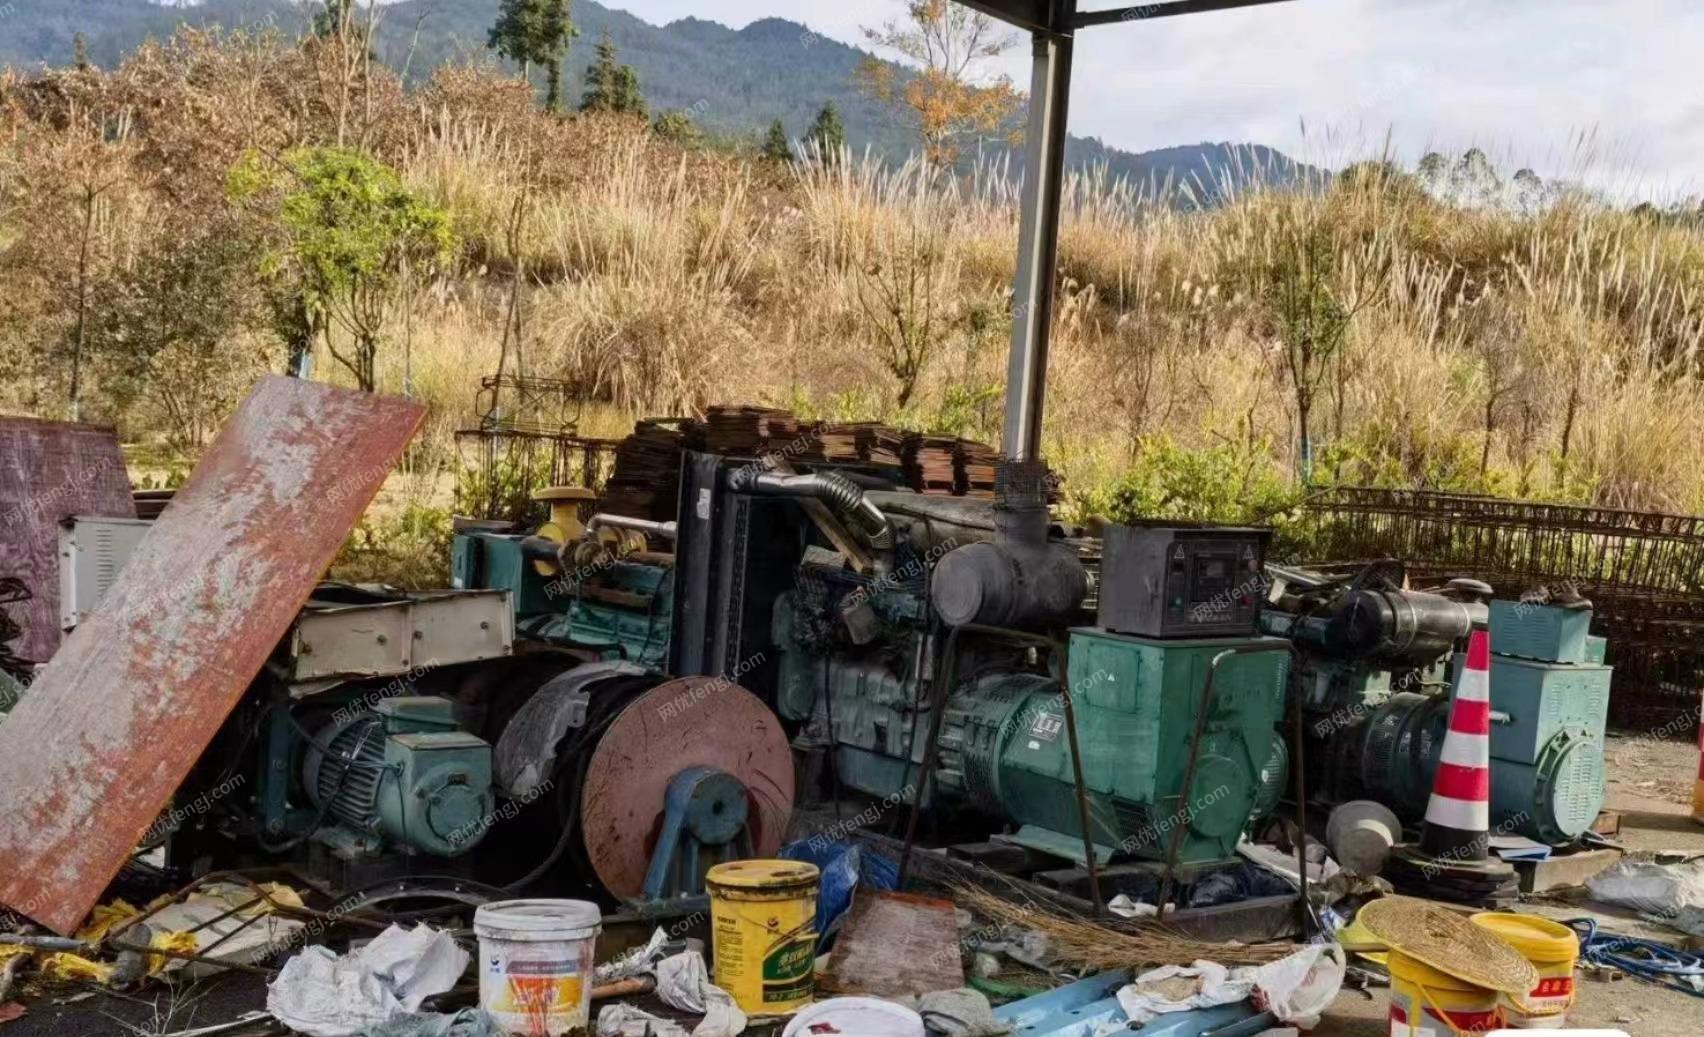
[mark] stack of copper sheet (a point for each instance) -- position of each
(864, 442)
(880, 444)
(750, 431)
(646, 480)
(829, 442)
(973, 468)
(929, 464)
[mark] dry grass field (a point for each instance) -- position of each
(1547, 349)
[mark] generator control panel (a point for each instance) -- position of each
(1183, 581)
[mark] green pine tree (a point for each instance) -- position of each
(535, 32)
(827, 133)
(629, 98)
(610, 85)
(677, 126)
(328, 20)
(776, 146)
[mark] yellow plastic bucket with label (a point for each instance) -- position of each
(1427, 1003)
(763, 933)
(1552, 948)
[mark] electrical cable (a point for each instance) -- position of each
(349, 763)
(578, 756)
(833, 744)
(1648, 960)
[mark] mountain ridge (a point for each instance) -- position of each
(734, 81)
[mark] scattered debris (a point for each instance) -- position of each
(634, 963)
(471, 1022)
(224, 923)
(1297, 988)
(1124, 907)
(628, 1021)
(1179, 988)
(1089, 1008)
(1101, 946)
(960, 1013)
(322, 994)
(241, 1025)
(683, 983)
(1645, 959)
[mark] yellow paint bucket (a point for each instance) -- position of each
(1552, 948)
(1427, 1003)
(763, 933)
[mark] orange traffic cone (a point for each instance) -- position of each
(1458, 817)
(1452, 861)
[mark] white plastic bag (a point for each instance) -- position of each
(1664, 890)
(684, 983)
(324, 995)
(1299, 987)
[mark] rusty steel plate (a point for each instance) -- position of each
(690, 722)
(114, 723)
(49, 471)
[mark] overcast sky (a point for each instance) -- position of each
(1610, 91)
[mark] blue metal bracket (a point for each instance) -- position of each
(703, 808)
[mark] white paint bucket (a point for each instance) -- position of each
(855, 1017)
(535, 964)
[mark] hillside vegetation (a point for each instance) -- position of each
(157, 228)
(734, 82)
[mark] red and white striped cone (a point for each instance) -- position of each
(1458, 817)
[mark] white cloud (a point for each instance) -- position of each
(1526, 80)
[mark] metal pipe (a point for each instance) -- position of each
(1088, 19)
(1038, 242)
(666, 530)
(831, 488)
(1299, 762)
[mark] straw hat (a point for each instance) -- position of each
(1448, 942)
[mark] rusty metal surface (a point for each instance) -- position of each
(49, 471)
(117, 719)
(689, 722)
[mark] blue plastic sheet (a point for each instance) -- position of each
(845, 866)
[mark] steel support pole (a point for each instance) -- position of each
(1038, 246)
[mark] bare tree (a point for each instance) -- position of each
(903, 290)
